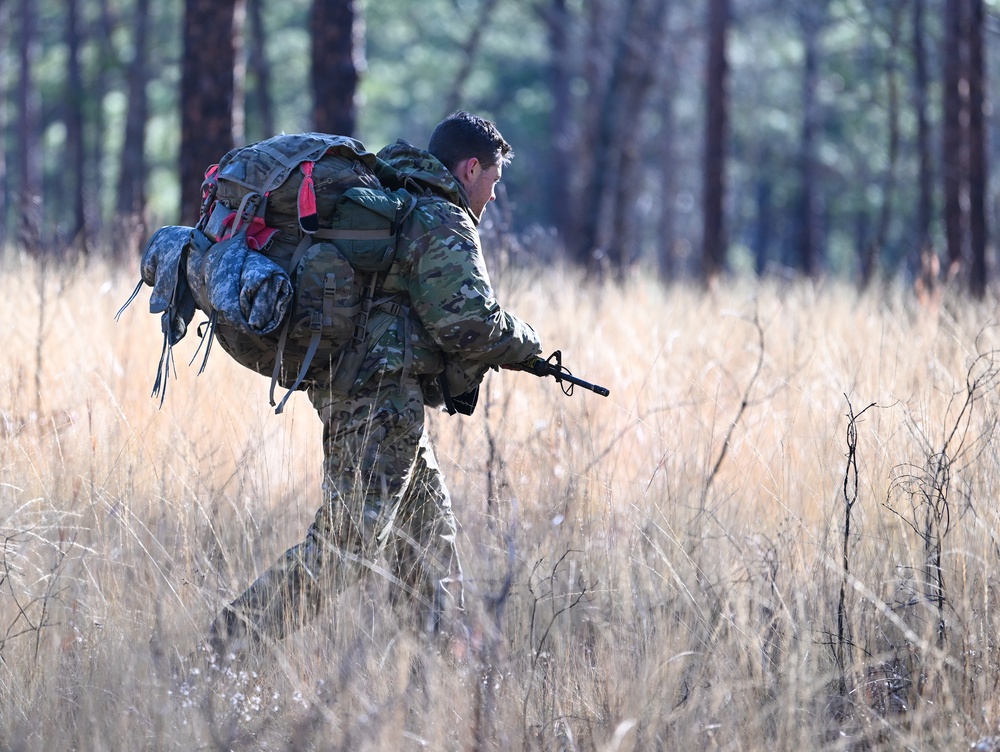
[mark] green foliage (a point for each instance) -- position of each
(414, 58)
(415, 67)
(287, 26)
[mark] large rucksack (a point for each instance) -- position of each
(294, 238)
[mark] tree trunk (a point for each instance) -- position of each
(561, 120)
(585, 180)
(921, 84)
(869, 258)
(76, 158)
(647, 32)
(99, 86)
(336, 30)
(29, 171)
(260, 69)
(206, 95)
(5, 197)
(131, 203)
(601, 165)
(610, 222)
(952, 154)
(716, 114)
(665, 155)
(763, 199)
(978, 156)
(811, 19)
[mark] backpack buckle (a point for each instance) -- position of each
(361, 324)
(247, 210)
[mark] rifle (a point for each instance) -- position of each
(552, 366)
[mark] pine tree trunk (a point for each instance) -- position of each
(130, 217)
(131, 185)
(606, 149)
(5, 197)
(29, 172)
(665, 156)
(647, 32)
(953, 167)
(99, 85)
(870, 256)
(812, 19)
(561, 119)
(206, 95)
(75, 170)
(585, 185)
(921, 85)
(763, 201)
(978, 156)
(713, 216)
(336, 33)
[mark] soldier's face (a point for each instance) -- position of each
(480, 183)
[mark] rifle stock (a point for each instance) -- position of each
(552, 366)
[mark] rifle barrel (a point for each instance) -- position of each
(543, 368)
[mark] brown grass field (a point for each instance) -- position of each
(778, 533)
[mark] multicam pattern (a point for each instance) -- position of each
(386, 513)
(439, 266)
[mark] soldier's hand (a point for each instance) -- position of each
(525, 365)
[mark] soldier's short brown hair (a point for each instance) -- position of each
(463, 135)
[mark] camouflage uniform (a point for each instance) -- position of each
(386, 508)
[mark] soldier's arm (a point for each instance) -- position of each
(451, 293)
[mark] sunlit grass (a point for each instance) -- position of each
(676, 549)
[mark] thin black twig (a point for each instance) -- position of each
(850, 499)
(744, 404)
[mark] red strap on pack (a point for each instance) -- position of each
(258, 234)
(308, 213)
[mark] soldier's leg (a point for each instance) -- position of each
(424, 556)
(370, 443)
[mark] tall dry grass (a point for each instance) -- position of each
(680, 576)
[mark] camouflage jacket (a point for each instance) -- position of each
(453, 323)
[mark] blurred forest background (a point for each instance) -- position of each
(780, 532)
(779, 137)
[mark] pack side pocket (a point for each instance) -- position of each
(255, 353)
(325, 299)
(372, 214)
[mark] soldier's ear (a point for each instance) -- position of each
(468, 170)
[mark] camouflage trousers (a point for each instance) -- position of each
(386, 513)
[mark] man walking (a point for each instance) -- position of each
(385, 506)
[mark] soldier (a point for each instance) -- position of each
(384, 498)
